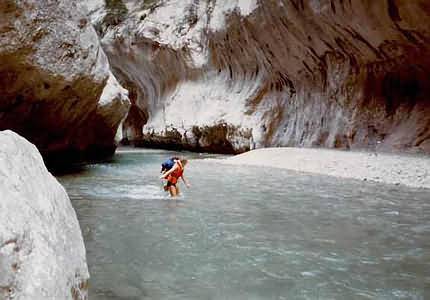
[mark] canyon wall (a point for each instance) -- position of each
(42, 253)
(56, 87)
(230, 75)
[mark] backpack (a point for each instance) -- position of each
(168, 164)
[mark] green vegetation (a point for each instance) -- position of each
(151, 4)
(116, 12)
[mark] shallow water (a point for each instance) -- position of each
(248, 233)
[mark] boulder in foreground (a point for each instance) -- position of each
(42, 254)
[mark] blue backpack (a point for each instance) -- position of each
(168, 164)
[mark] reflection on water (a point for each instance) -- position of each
(248, 233)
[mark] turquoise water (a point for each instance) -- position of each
(248, 233)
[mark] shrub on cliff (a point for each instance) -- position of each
(116, 11)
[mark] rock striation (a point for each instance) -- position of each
(232, 75)
(56, 87)
(42, 254)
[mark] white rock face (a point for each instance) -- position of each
(239, 74)
(163, 55)
(114, 103)
(42, 254)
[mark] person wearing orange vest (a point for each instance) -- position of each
(173, 175)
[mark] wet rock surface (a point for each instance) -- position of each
(42, 254)
(342, 74)
(56, 88)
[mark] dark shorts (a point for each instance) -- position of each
(169, 184)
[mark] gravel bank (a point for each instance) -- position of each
(396, 169)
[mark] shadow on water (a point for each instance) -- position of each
(123, 156)
(61, 168)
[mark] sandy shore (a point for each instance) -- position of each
(396, 169)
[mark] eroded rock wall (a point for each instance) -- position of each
(42, 254)
(233, 75)
(56, 88)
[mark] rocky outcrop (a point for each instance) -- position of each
(56, 88)
(42, 254)
(332, 73)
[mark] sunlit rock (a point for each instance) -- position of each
(344, 74)
(56, 88)
(42, 254)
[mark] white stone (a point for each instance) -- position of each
(42, 254)
(113, 91)
(409, 170)
(289, 72)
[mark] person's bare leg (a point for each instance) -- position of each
(177, 190)
(172, 191)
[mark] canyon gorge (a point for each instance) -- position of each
(232, 75)
(219, 76)
(77, 78)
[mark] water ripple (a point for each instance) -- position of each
(248, 233)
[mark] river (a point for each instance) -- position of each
(247, 233)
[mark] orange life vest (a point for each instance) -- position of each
(175, 175)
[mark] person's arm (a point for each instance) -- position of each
(185, 181)
(175, 166)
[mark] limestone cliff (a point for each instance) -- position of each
(42, 253)
(56, 88)
(229, 75)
